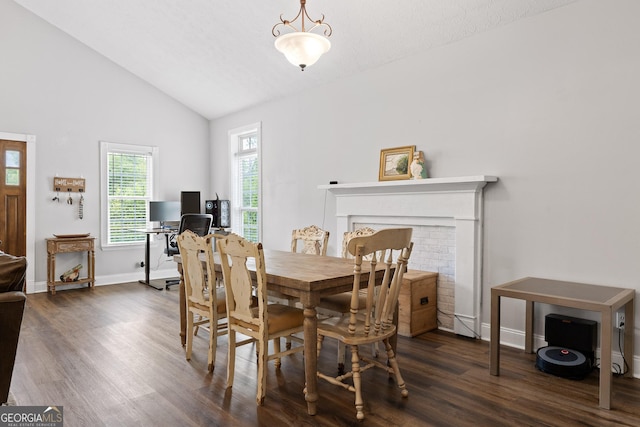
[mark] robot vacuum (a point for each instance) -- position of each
(563, 362)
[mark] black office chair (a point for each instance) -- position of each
(199, 224)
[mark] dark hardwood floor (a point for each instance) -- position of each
(111, 356)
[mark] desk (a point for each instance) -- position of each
(603, 299)
(308, 277)
(147, 250)
(59, 245)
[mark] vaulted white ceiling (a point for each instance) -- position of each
(217, 56)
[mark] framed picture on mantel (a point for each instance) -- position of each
(394, 163)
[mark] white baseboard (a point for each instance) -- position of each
(113, 279)
(515, 338)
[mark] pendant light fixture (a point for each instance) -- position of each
(302, 47)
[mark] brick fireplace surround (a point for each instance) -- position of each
(447, 217)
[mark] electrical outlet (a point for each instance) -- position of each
(620, 320)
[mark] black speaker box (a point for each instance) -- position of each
(571, 332)
(220, 209)
(211, 207)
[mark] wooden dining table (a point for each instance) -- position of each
(307, 277)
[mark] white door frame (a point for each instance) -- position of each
(31, 202)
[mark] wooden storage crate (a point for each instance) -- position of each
(417, 303)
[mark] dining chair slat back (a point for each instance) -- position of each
(373, 322)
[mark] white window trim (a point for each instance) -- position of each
(105, 148)
(233, 137)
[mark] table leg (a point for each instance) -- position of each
(51, 266)
(494, 366)
(605, 357)
(53, 274)
(147, 280)
(310, 356)
(91, 264)
(147, 249)
(147, 256)
(528, 331)
(628, 336)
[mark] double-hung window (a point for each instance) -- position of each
(244, 147)
(128, 180)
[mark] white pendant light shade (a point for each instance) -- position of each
(302, 48)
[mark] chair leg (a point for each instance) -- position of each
(189, 334)
(231, 359)
(342, 349)
(276, 350)
(196, 328)
(357, 382)
(213, 341)
(292, 303)
(263, 345)
(319, 345)
(393, 362)
(342, 353)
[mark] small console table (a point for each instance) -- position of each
(602, 299)
(70, 243)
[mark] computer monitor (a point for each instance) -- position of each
(164, 212)
(190, 202)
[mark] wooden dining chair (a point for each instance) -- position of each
(348, 235)
(340, 304)
(313, 239)
(372, 322)
(262, 323)
(203, 298)
(308, 240)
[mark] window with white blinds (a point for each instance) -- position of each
(245, 181)
(128, 174)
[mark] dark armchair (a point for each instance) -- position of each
(12, 300)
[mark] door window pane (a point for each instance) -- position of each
(12, 177)
(12, 159)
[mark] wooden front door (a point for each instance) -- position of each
(13, 197)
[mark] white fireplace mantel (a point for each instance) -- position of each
(462, 183)
(455, 202)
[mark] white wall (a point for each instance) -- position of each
(70, 98)
(548, 104)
